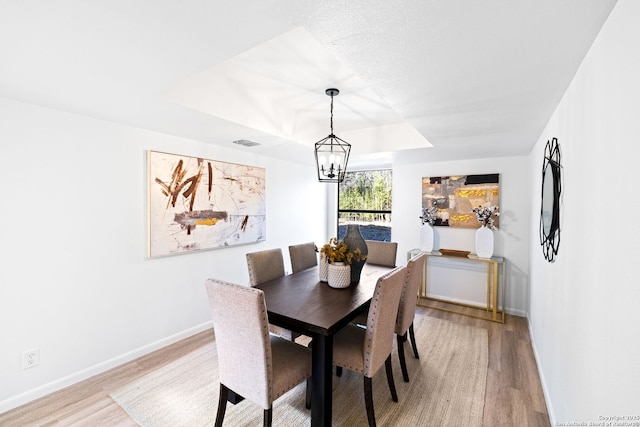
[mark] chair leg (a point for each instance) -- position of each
(392, 385)
(222, 404)
(368, 401)
(307, 402)
(338, 371)
(403, 363)
(412, 335)
(268, 415)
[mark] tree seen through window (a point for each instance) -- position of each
(364, 198)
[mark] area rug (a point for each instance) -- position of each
(447, 388)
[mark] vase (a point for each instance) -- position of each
(323, 267)
(354, 240)
(426, 238)
(484, 242)
(339, 275)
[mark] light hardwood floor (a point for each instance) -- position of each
(513, 395)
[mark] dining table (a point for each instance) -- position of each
(302, 303)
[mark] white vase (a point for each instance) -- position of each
(426, 238)
(323, 267)
(484, 242)
(339, 275)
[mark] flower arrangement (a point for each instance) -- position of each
(485, 216)
(429, 215)
(338, 251)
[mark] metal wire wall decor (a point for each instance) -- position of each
(550, 205)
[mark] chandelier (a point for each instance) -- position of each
(332, 153)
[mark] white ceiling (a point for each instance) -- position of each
(472, 78)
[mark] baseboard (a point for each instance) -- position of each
(545, 390)
(43, 390)
(515, 312)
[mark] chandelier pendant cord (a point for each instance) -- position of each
(331, 122)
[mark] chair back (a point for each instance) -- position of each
(381, 320)
(382, 253)
(303, 256)
(265, 265)
(242, 339)
(408, 298)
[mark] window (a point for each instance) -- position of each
(364, 198)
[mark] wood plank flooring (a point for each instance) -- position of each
(513, 396)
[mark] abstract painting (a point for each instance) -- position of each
(196, 204)
(455, 197)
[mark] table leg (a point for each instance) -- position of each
(495, 291)
(321, 380)
(488, 286)
(502, 285)
(422, 290)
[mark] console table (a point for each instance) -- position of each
(495, 288)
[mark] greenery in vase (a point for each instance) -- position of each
(486, 215)
(338, 251)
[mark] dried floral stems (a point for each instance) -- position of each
(485, 216)
(429, 215)
(338, 251)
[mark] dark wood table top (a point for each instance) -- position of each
(301, 302)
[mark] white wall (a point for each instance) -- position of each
(511, 240)
(74, 278)
(585, 307)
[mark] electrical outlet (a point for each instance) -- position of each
(30, 358)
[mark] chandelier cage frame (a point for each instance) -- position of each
(332, 153)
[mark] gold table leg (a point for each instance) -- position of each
(488, 286)
(495, 291)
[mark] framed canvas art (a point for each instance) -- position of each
(196, 204)
(455, 197)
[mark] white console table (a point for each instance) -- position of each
(495, 288)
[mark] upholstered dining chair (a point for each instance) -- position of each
(264, 266)
(366, 350)
(303, 256)
(407, 309)
(252, 363)
(382, 253)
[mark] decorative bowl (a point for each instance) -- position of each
(454, 252)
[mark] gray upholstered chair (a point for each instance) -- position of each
(303, 256)
(366, 350)
(252, 363)
(407, 309)
(382, 253)
(264, 266)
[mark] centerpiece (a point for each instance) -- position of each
(338, 259)
(484, 236)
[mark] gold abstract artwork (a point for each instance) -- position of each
(456, 196)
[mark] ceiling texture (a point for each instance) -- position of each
(419, 80)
